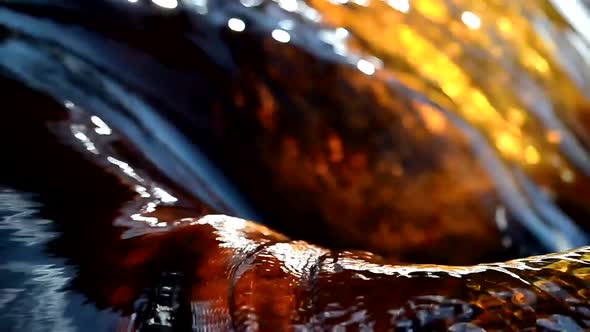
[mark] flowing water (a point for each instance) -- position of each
(433, 132)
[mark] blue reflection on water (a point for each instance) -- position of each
(34, 293)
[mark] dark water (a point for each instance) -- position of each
(35, 294)
(38, 205)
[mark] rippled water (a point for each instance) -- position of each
(34, 292)
(425, 131)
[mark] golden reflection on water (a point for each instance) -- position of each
(495, 63)
(514, 73)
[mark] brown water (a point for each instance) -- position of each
(421, 144)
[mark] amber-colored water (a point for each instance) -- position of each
(437, 133)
